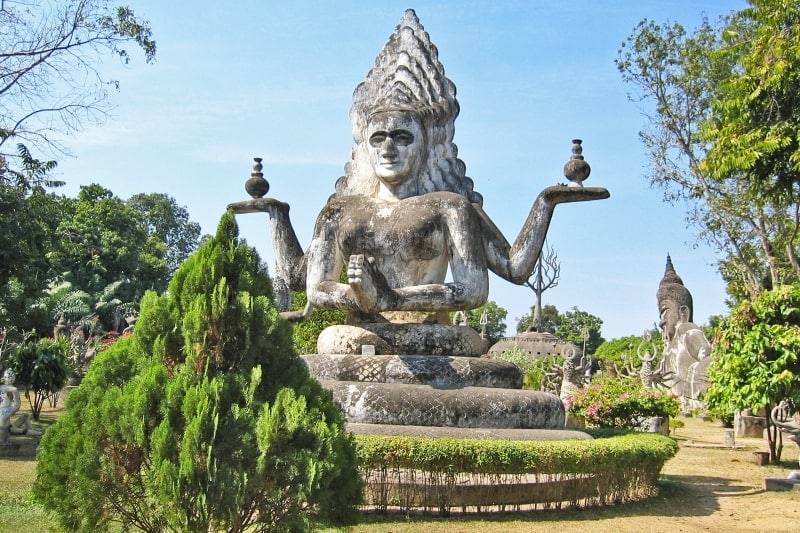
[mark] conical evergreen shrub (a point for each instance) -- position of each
(204, 418)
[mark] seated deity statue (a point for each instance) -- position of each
(10, 402)
(687, 352)
(404, 217)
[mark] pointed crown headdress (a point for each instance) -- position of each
(671, 288)
(407, 76)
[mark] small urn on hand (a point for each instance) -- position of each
(256, 186)
(576, 170)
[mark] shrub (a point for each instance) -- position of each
(620, 403)
(537, 373)
(440, 473)
(204, 419)
(41, 367)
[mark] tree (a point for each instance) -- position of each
(545, 276)
(550, 318)
(170, 223)
(495, 320)
(104, 241)
(581, 328)
(755, 358)
(49, 57)
(42, 368)
(679, 79)
(204, 418)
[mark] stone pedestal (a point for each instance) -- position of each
(747, 425)
(435, 391)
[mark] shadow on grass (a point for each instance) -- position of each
(678, 495)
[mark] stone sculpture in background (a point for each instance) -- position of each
(687, 352)
(404, 214)
(10, 402)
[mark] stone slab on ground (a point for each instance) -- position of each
(465, 433)
(781, 483)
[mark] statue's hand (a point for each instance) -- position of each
(271, 206)
(297, 316)
(561, 194)
(370, 289)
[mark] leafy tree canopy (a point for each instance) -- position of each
(755, 356)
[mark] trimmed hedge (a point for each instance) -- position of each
(408, 473)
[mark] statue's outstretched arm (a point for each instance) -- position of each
(516, 263)
(290, 261)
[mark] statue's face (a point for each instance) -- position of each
(9, 377)
(670, 317)
(397, 146)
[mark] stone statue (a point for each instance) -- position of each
(10, 402)
(403, 215)
(687, 352)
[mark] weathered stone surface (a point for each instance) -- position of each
(437, 371)
(421, 405)
(687, 352)
(346, 339)
(466, 433)
(403, 339)
(539, 345)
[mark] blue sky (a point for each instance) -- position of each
(237, 80)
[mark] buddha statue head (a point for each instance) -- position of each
(674, 302)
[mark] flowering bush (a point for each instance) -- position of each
(620, 403)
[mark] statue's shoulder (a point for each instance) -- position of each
(445, 198)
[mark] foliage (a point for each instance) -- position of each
(50, 52)
(204, 418)
(581, 328)
(169, 223)
(619, 467)
(754, 126)
(88, 259)
(538, 373)
(755, 357)
(42, 367)
(550, 319)
(496, 320)
(720, 107)
(305, 333)
(620, 403)
(574, 326)
(617, 355)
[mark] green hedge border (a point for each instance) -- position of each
(421, 473)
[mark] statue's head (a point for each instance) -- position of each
(674, 302)
(9, 376)
(397, 147)
(408, 84)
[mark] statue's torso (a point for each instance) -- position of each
(408, 238)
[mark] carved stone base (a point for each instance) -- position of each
(391, 338)
(436, 371)
(469, 407)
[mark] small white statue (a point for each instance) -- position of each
(10, 402)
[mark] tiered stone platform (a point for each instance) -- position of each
(431, 391)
